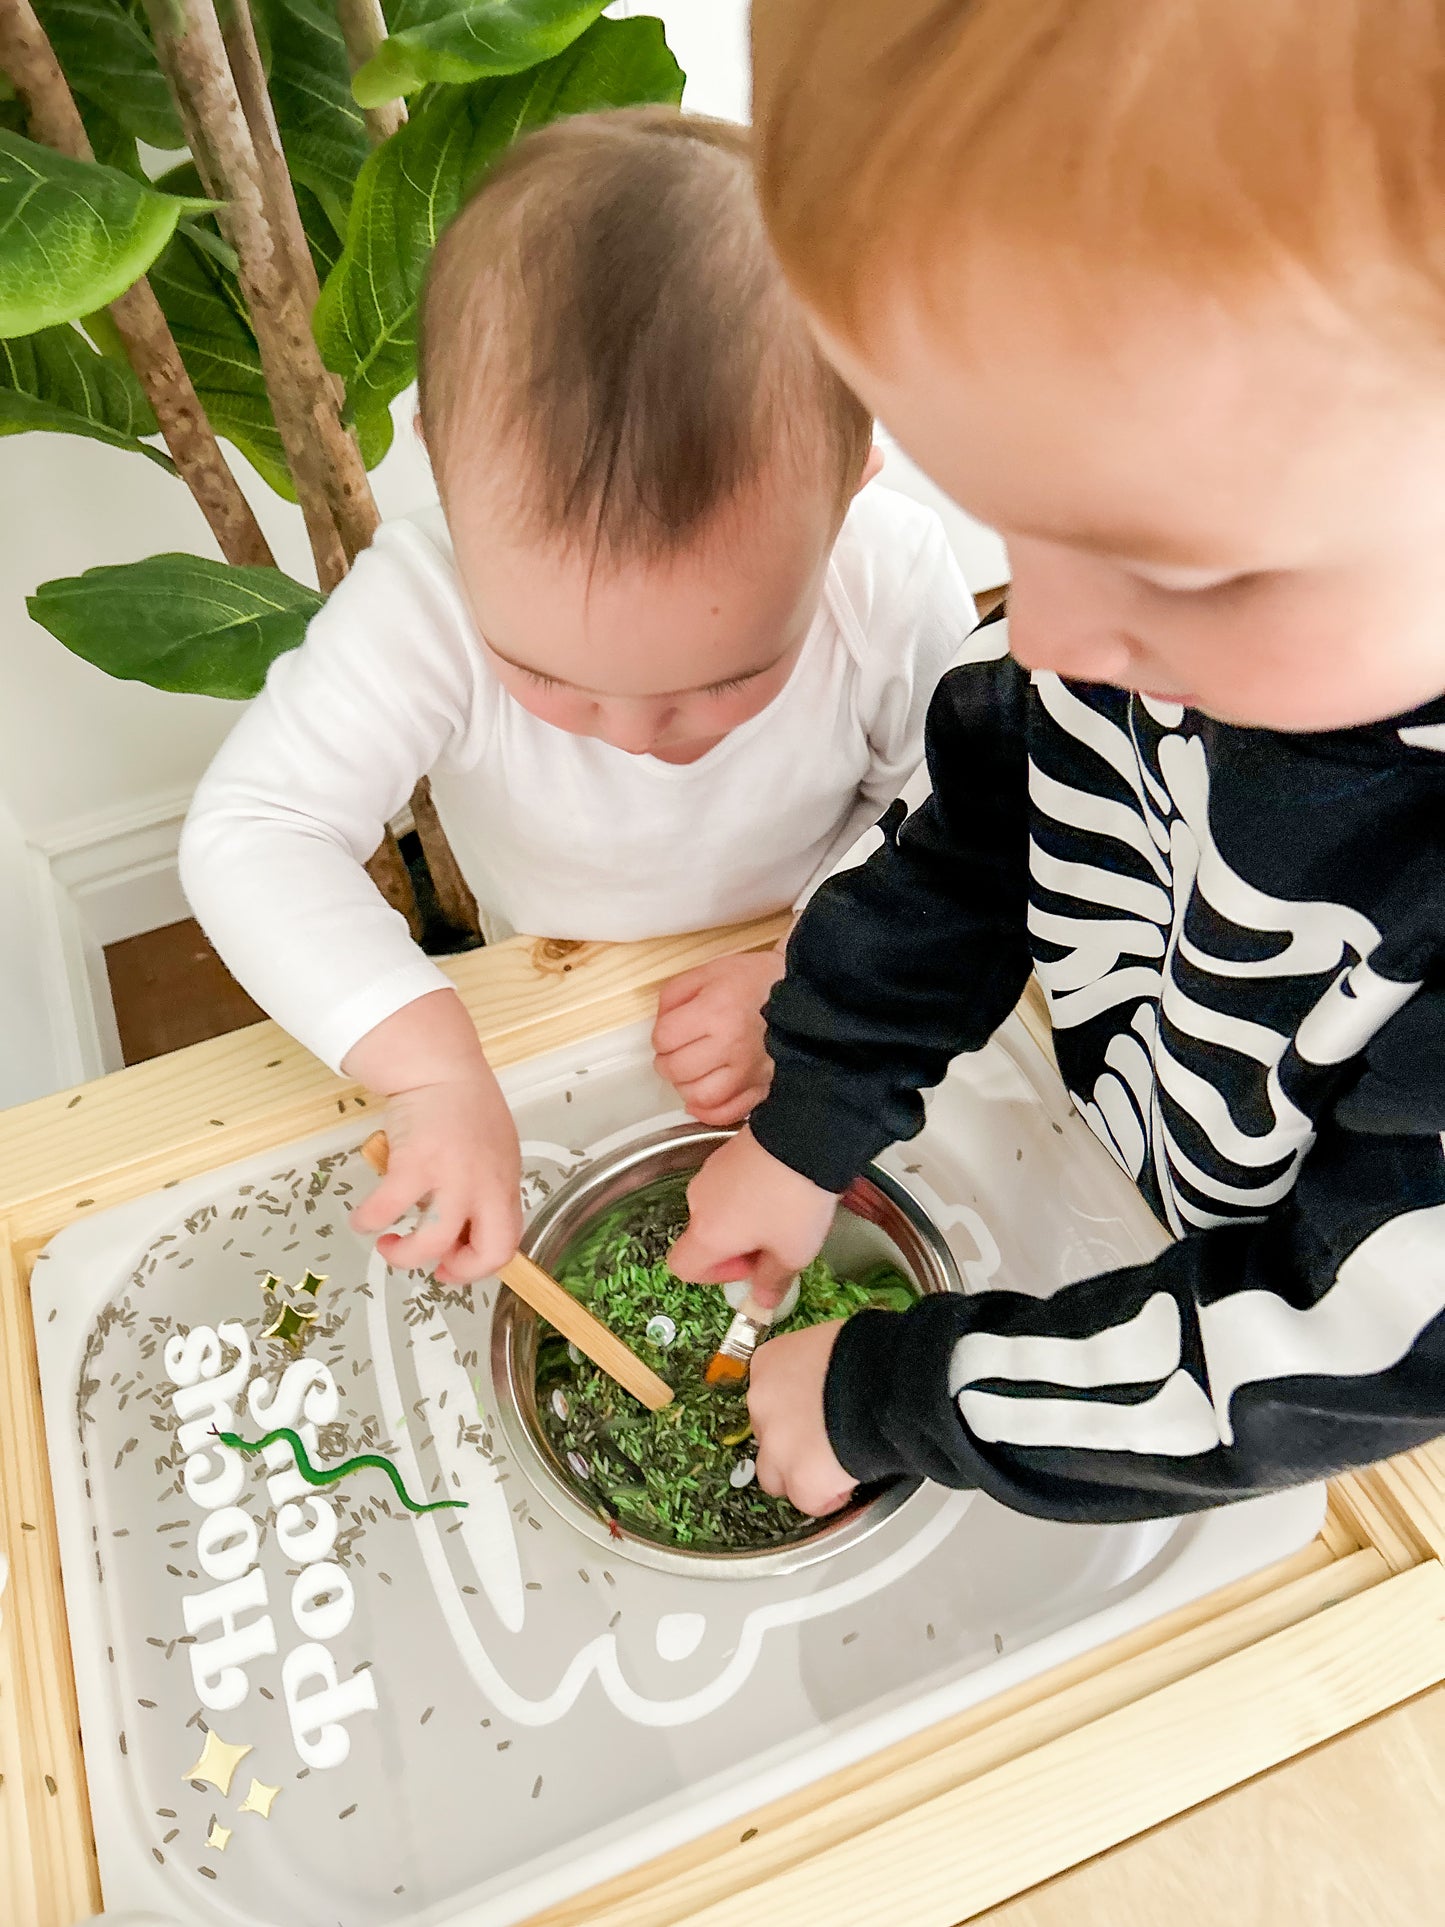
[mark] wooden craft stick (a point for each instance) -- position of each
(557, 1305)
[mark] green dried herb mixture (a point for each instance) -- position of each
(666, 1474)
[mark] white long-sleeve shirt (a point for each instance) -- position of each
(558, 835)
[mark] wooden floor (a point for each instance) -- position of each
(1349, 1835)
(170, 989)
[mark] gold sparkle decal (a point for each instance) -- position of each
(218, 1763)
(293, 1314)
(219, 1837)
(260, 1800)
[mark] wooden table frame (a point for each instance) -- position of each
(931, 1831)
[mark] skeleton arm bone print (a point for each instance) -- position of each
(1242, 938)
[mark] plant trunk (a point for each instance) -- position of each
(54, 120)
(387, 869)
(453, 893)
(323, 457)
(363, 28)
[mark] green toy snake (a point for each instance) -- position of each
(334, 1472)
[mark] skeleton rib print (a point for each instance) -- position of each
(1139, 923)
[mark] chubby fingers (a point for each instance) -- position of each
(441, 1230)
(815, 1493)
(795, 1458)
(404, 1185)
(680, 1018)
(731, 1111)
(490, 1240)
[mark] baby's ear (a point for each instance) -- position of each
(871, 467)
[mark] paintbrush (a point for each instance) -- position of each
(731, 1363)
(733, 1359)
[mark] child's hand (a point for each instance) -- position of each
(785, 1400)
(751, 1217)
(709, 1035)
(454, 1152)
(453, 1145)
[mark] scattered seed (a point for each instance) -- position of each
(346, 1812)
(998, 1642)
(848, 1638)
(751, 1834)
(427, 1715)
(536, 1786)
(929, 1630)
(50, 1786)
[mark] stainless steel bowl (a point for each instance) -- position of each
(895, 1226)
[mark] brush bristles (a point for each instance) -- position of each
(722, 1370)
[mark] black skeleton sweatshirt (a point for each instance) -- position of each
(1241, 935)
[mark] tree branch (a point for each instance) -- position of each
(323, 457)
(363, 28)
(54, 120)
(238, 34)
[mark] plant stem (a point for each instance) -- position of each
(238, 34)
(363, 28)
(453, 893)
(324, 460)
(387, 869)
(53, 119)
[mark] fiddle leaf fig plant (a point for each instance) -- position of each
(215, 222)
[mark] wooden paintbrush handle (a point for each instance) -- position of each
(557, 1305)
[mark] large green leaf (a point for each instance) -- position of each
(73, 234)
(179, 621)
(413, 184)
(108, 59)
(55, 380)
(110, 143)
(322, 129)
(321, 234)
(439, 40)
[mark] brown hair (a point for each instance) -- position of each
(1226, 144)
(606, 306)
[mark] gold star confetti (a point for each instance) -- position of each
(219, 1837)
(260, 1800)
(292, 1317)
(289, 1323)
(218, 1763)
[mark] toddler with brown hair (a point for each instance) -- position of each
(662, 653)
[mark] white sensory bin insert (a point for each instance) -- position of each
(308, 1706)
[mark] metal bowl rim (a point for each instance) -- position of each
(512, 1317)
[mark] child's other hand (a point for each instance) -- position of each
(785, 1401)
(454, 1152)
(751, 1217)
(709, 1035)
(453, 1145)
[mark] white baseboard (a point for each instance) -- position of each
(95, 881)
